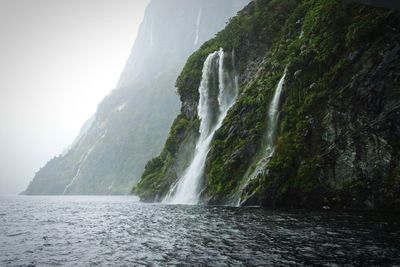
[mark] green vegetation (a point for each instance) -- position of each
(338, 139)
(163, 170)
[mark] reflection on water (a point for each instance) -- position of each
(120, 231)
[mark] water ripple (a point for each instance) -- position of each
(119, 231)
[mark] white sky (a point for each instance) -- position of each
(58, 59)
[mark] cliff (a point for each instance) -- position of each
(132, 122)
(336, 140)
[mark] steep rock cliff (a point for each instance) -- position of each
(337, 140)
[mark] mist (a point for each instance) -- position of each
(199, 133)
(58, 61)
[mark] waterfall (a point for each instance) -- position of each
(217, 95)
(273, 116)
(81, 162)
(196, 39)
(273, 112)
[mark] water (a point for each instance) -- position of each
(273, 112)
(120, 231)
(81, 162)
(198, 22)
(220, 91)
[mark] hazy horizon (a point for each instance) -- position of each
(59, 60)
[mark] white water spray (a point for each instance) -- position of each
(273, 116)
(187, 189)
(198, 22)
(273, 112)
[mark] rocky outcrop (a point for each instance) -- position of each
(362, 129)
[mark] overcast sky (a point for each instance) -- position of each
(58, 59)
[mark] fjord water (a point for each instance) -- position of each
(218, 89)
(120, 231)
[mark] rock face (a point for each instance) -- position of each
(337, 142)
(132, 123)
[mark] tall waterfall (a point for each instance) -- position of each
(273, 112)
(196, 39)
(273, 116)
(218, 90)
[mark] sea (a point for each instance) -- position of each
(122, 231)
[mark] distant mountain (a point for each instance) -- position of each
(131, 124)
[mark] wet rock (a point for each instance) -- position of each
(189, 108)
(303, 48)
(297, 73)
(369, 204)
(352, 55)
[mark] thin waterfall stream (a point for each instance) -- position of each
(218, 90)
(272, 126)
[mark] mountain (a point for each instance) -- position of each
(131, 124)
(293, 104)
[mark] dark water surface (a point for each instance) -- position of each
(120, 231)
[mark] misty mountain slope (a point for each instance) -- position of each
(316, 121)
(131, 124)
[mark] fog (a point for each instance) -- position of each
(58, 60)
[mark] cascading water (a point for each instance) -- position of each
(217, 95)
(196, 39)
(273, 111)
(273, 116)
(81, 162)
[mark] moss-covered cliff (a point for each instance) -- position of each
(338, 140)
